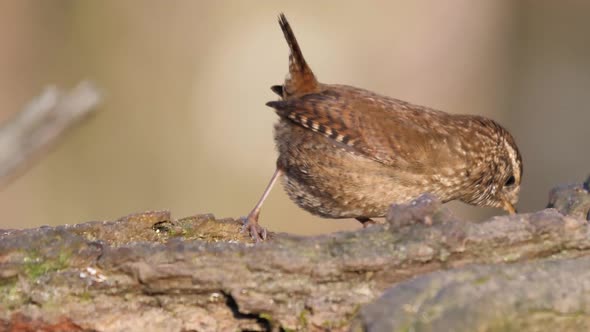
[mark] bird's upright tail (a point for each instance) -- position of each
(301, 79)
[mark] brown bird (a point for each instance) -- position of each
(346, 152)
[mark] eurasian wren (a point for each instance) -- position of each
(346, 152)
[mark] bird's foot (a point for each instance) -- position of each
(256, 232)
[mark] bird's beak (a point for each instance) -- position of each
(509, 207)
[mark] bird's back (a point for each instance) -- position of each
(387, 130)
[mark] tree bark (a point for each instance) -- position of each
(150, 272)
(546, 295)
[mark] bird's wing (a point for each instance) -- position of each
(387, 130)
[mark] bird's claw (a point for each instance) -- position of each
(256, 232)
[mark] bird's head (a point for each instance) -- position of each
(509, 174)
(497, 181)
(505, 173)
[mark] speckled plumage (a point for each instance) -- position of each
(346, 152)
(380, 151)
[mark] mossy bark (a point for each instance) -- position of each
(150, 272)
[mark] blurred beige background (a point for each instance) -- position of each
(184, 126)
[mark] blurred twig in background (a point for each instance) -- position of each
(40, 123)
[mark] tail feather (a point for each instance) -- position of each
(301, 79)
(278, 89)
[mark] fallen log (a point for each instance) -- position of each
(151, 272)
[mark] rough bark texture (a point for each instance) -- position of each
(153, 273)
(547, 295)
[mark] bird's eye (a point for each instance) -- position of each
(510, 181)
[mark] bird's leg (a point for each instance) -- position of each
(366, 221)
(251, 221)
